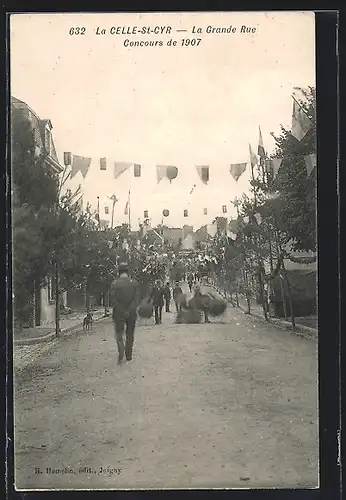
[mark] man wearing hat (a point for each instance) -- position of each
(124, 299)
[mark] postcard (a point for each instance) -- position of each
(164, 250)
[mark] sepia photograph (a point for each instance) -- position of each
(164, 250)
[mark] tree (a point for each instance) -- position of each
(297, 189)
(34, 198)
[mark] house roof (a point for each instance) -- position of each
(39, 127)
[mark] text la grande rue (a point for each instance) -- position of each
(228, 29)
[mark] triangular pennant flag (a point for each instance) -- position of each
(80, 164)
(310, 162)
(212, 230)
(237, 169)
(301, 123)
(203, 173)
(261, 151)
(103, 163)
(119, 168)
(136, 170)
(275, 165)
(205, 211)
(186, 213)
(160, 172)
(253, 157)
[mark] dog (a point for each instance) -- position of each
(88, 322)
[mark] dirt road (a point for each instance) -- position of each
(220, 405)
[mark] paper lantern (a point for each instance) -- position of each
(171, 173)
(165, 212)
(136, 170)
(205, 174)
(67, 159)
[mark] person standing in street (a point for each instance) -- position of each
(177, 295)
(190, 281)
(124, 297)
(157, 296)
(167, 296)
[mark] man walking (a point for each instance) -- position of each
(177, 296)
(167, 296)
(124, 299)
(157, 296)
(190, 281)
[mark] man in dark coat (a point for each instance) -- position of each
(167, 296)
(190, 281)
(124, 297)
(157, 296)
(177, 296)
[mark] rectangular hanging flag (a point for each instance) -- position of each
(224, 209)
(203, 173)
(253, 157)
(260, 151)
(80, 164)
(237, 169)
(127, 206)
(106, 210)
(119, 168)
(301, 123)
(136, 170)
(146, 214)
(205, 211)
(103, 164)
(186, 213)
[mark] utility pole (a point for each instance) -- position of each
(67, 163)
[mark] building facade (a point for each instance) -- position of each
(42, 304)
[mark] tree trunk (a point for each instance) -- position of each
(57, 300)
(293, 320)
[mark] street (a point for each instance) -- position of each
(230, 404)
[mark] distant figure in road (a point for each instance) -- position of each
(167, 296)
(124, 297)
(177, 296)
(157, 296)
(190, 281)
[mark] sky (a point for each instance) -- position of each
(183, 106)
